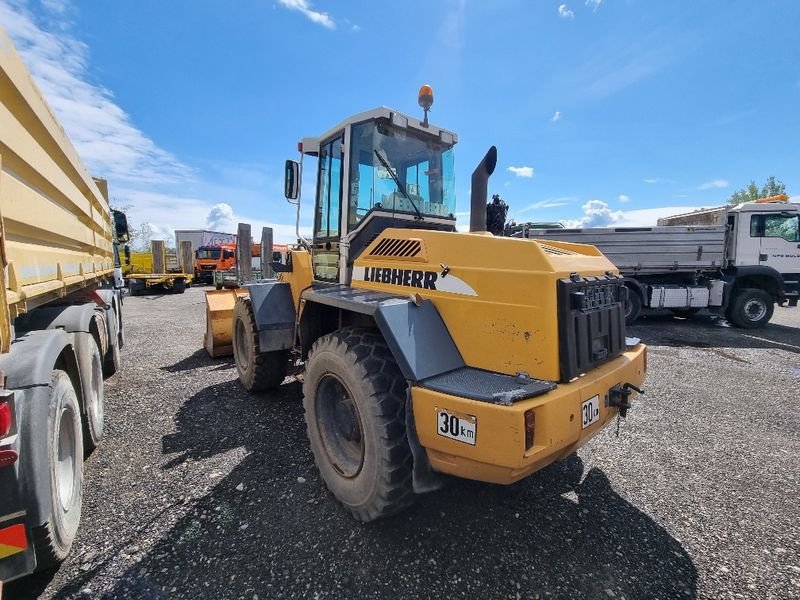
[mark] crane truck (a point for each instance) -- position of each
(428, 352)
(737, 261)
(60, 323)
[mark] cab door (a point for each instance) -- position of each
(779, 237)
(327, 218)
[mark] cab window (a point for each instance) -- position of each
(329, 189)
(782, 226)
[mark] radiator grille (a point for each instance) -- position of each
(397, 248)
(591, 322)
(555, 250)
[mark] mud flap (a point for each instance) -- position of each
(424, 478)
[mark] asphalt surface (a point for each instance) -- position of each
(202, 491)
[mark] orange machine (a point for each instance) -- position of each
(213, 258)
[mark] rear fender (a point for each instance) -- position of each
(275, 315)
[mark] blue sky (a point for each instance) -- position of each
(605, 112)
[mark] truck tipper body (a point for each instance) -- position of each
(738, 261)
(60, 323)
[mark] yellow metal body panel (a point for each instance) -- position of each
(141, 262)
(301, 275)
(55, 218)
(499, 454)
(502, 314)
(218, 338)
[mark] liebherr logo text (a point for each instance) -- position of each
(406, 277)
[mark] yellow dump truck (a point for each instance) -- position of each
(60, 323)
(427, 351)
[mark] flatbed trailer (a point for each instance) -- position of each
(60, 323)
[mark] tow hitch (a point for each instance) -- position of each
(619, 396)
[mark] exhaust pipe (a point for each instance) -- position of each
(480, 190)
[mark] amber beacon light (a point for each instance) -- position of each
(425, 100)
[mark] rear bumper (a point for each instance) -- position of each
(499, 454)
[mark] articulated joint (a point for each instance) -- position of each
(619, 396)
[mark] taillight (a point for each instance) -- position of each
(8, 457)
(5, 418)
(530, 422)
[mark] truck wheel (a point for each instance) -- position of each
(633, 306)
(751, 308)
(137, 288)
(53, 540)
(354, 398)
(179, 286)
(258, 371)
(91, 368)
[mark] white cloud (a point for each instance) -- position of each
(220, 217)
(103, 134)
(158, 188)
(565, 13)
(597, 213)
(623, 198)
(546, 203)
(713, 184)
(651, 180)
(556, 116)
(594, 4)
(521, 171)
(315, 16)
(794, 199)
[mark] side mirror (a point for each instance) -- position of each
(120, 226)
(291, 186)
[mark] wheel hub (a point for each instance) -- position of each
(339, 426)
(755, 310)
(65, 469)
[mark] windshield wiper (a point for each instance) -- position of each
(400, 186)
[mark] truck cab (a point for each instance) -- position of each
(213, 258)
(767, 234)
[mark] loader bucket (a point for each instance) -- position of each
(218, 339)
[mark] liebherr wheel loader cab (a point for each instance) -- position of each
(430, 352)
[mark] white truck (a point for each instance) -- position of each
(60, 323)
(737, 261)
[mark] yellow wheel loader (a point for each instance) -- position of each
(428, 352)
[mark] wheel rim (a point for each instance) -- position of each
(755, 309)
(339, 426)
(65, 469)
(241, 345)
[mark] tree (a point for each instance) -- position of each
(751, 193)
(140, 236)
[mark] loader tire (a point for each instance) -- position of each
(354, 397)
(179, 286)
(751, 308)
(258, 371)
(53, 540)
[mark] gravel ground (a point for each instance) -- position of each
(202, 491)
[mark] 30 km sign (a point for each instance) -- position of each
(462, 428)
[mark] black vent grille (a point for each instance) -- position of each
(591, 322)
(398, 248)
(555, 250)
